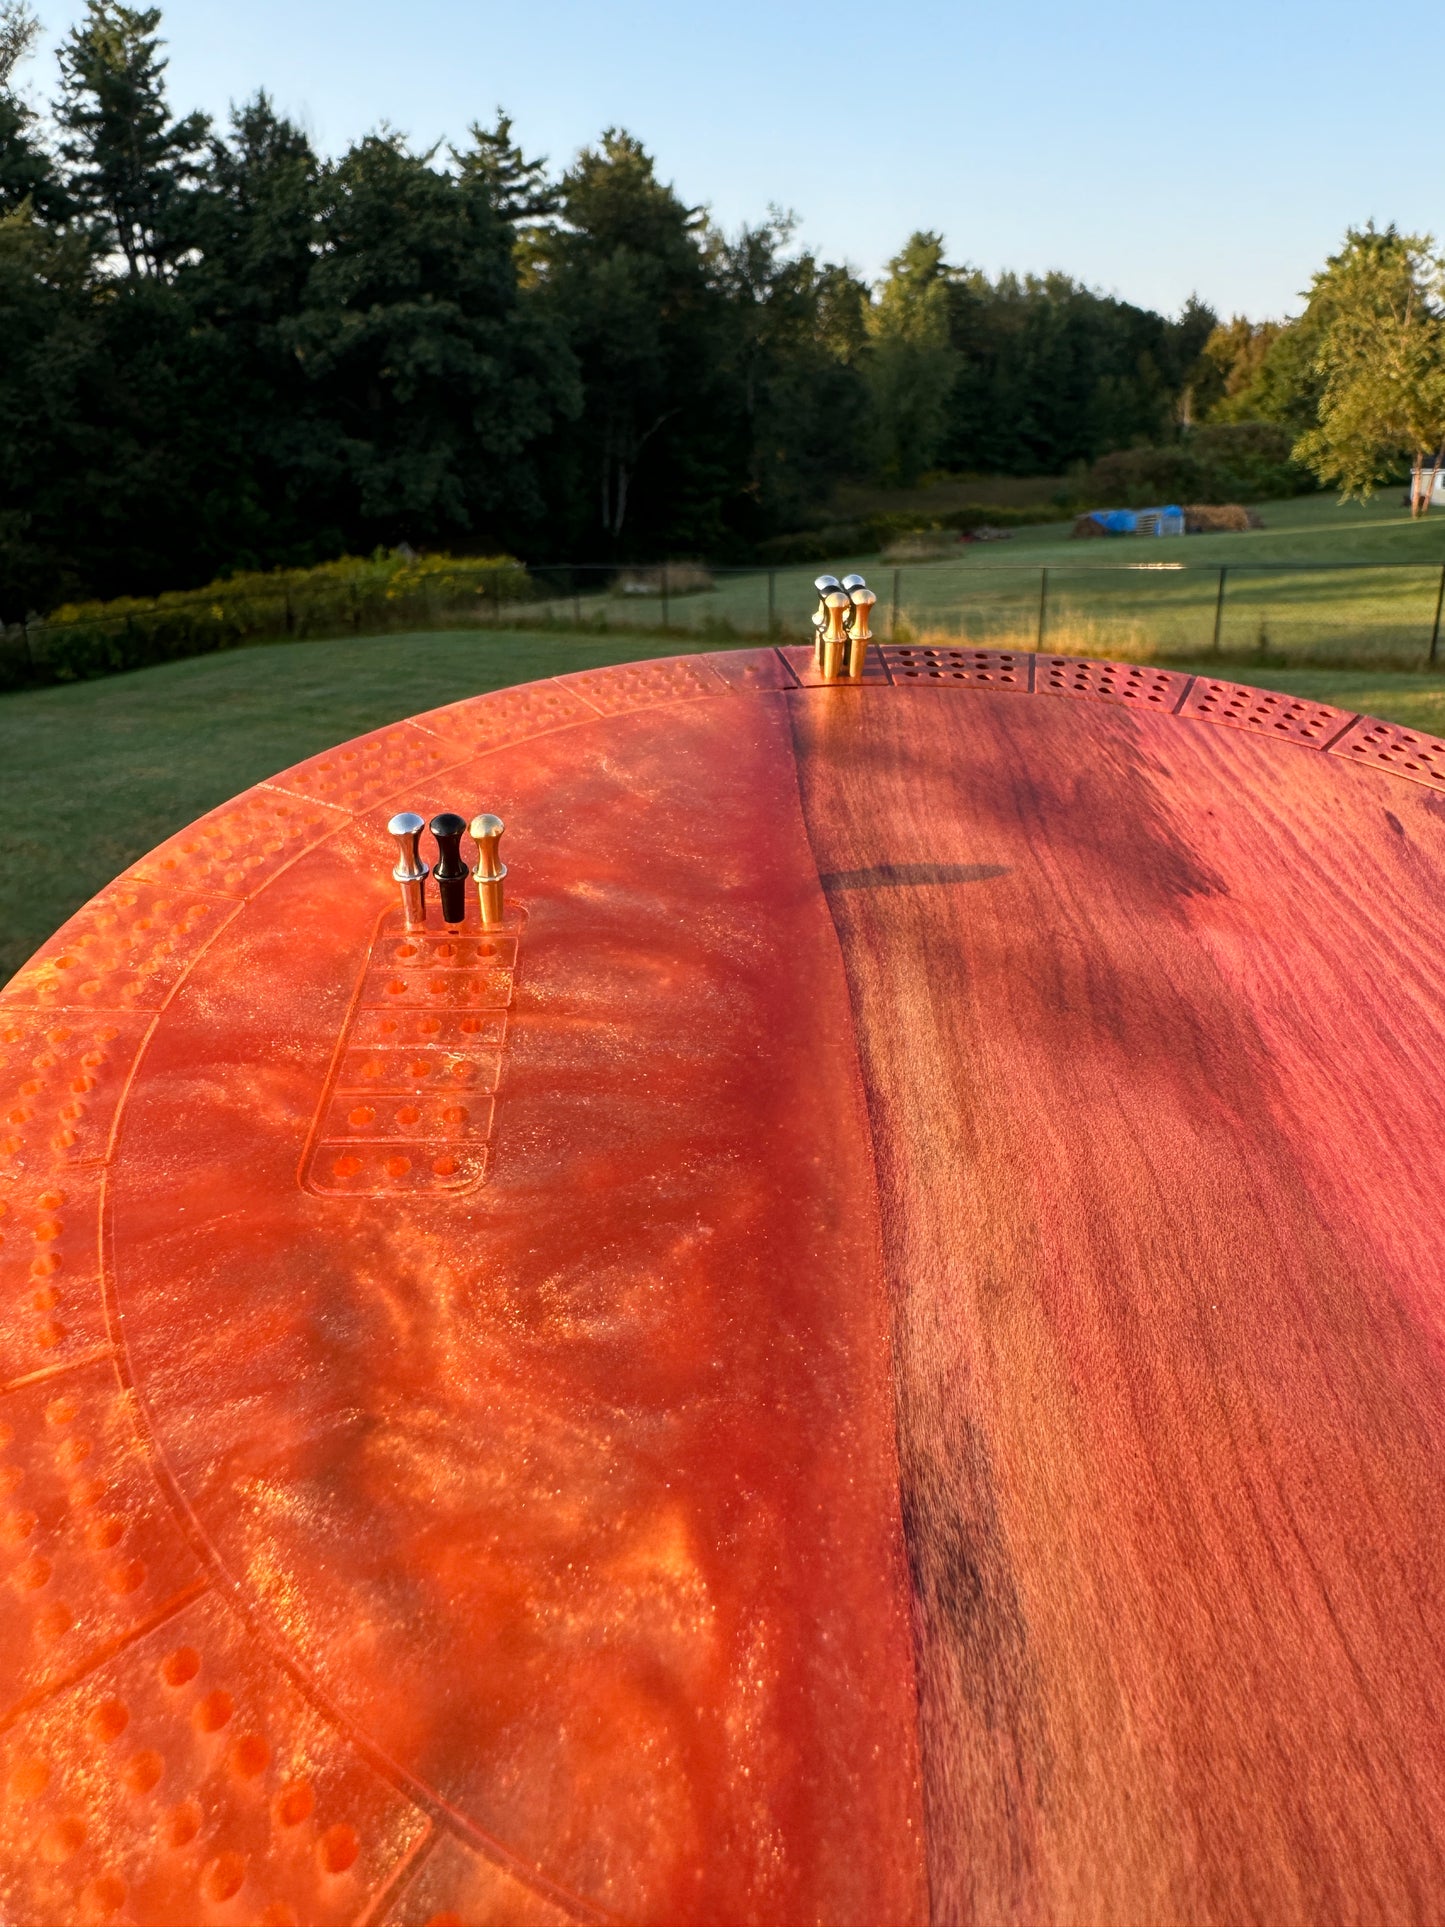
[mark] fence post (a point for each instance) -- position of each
(1219, 606)
(772, 603)
(893, 615)
(1435, 632)
(664, 598)
(1043, 606)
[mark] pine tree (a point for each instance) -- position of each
(133, 169)
(626, 278)
(913, 365)
(517, 188)
(27, 173)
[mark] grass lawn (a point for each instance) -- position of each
(97, 773)
(1286, 596)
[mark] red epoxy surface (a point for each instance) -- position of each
(453, 1407)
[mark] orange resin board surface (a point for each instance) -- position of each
(876, 1354)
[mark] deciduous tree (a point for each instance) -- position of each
(429, 383)
(797, 333)
(1378, 309)
(1053, 373)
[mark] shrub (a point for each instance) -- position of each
(817, 545)
(1222, 462)
(893, 525)
(83, 640)
(989, 515)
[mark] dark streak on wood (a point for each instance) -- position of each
(1170, 1396)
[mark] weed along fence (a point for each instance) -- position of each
(1386, 615)
(1383, 614)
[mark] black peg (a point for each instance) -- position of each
(450, 873)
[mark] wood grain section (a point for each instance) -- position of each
(1151, 1049)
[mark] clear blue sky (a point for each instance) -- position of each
(1151, 151)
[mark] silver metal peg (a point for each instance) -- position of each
(410, 872)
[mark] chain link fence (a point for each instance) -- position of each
(1382, 615)
(1373, 615)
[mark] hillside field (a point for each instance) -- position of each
(1320, 582)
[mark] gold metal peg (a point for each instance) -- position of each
(859, 634)
(835, 637)
(490, 870)
(410, 872)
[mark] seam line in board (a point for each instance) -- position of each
(528, 736)
(106, 1650)
(270, 783)
(276, 783)
(277, 869)
(142, 1043)
(561, 682)
(399, 1880)
(95, 1355)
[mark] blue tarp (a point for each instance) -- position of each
(1162, 521)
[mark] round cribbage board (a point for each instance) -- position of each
(877, 1354)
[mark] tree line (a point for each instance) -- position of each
(220, 350)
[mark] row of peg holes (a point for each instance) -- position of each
(348, 1166)
(363, 1114)
(103, 1533)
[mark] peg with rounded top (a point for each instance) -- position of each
(491, 871)
(838, 606)
(410, 872)
(450, 872)
(859, 634)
